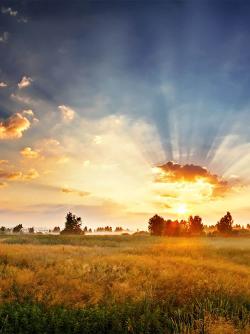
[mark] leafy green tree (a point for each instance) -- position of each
(156, 225)
(72, 224)
(225, 225)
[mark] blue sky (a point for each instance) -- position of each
(177, 70)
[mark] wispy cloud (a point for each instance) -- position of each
(67, 190)
(10, 175)
(9, 11)
(20, 98)
(31, 174)
(4, 37)
(68, 113)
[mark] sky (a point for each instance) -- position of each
(117, 110)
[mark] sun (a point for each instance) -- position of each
(181, 209)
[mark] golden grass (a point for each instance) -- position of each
(98, 272)
(169, 268)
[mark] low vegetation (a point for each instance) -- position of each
(124, 284)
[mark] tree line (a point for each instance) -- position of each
(73, 225)
(157, 225)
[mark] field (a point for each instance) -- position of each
(124, 284)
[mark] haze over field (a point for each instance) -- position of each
(120, 110)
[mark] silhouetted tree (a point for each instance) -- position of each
(56, 229)
(171, 228)
(104, 229)
(2, 229)
(156, 225)
(195, 225)
(85, 229)
(31, 230)
(72, 224)
(118, 229)
(225, 225)
(17, 228)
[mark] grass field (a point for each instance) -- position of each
(124, 284)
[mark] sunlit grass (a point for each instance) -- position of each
(186, 284)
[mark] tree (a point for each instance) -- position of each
(195, 225)
(2, 229)
(31, 230)
(18, 228)
(56, 229)
(118, 229)
(156, 225)
(72, 224)
(171, 227)
(225, 225)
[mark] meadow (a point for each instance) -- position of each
(124, 284)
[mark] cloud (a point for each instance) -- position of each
(50, 147)
(28, 153)
(3, 84)
(174, 172)
(25, 82)
(28, 112)
(3, 162)
(68, 113)
(3, 185)
(31, 174)
(8, 10)
(67, 190)
(19, 98)
(14, 126)
(4, 37)
(98, 140)
(10, 175)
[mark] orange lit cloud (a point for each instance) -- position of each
(2, 162)
(14, 126)
(10, 175)
(174, 172)
(31, 174)
(67, 190)
(28, 153)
